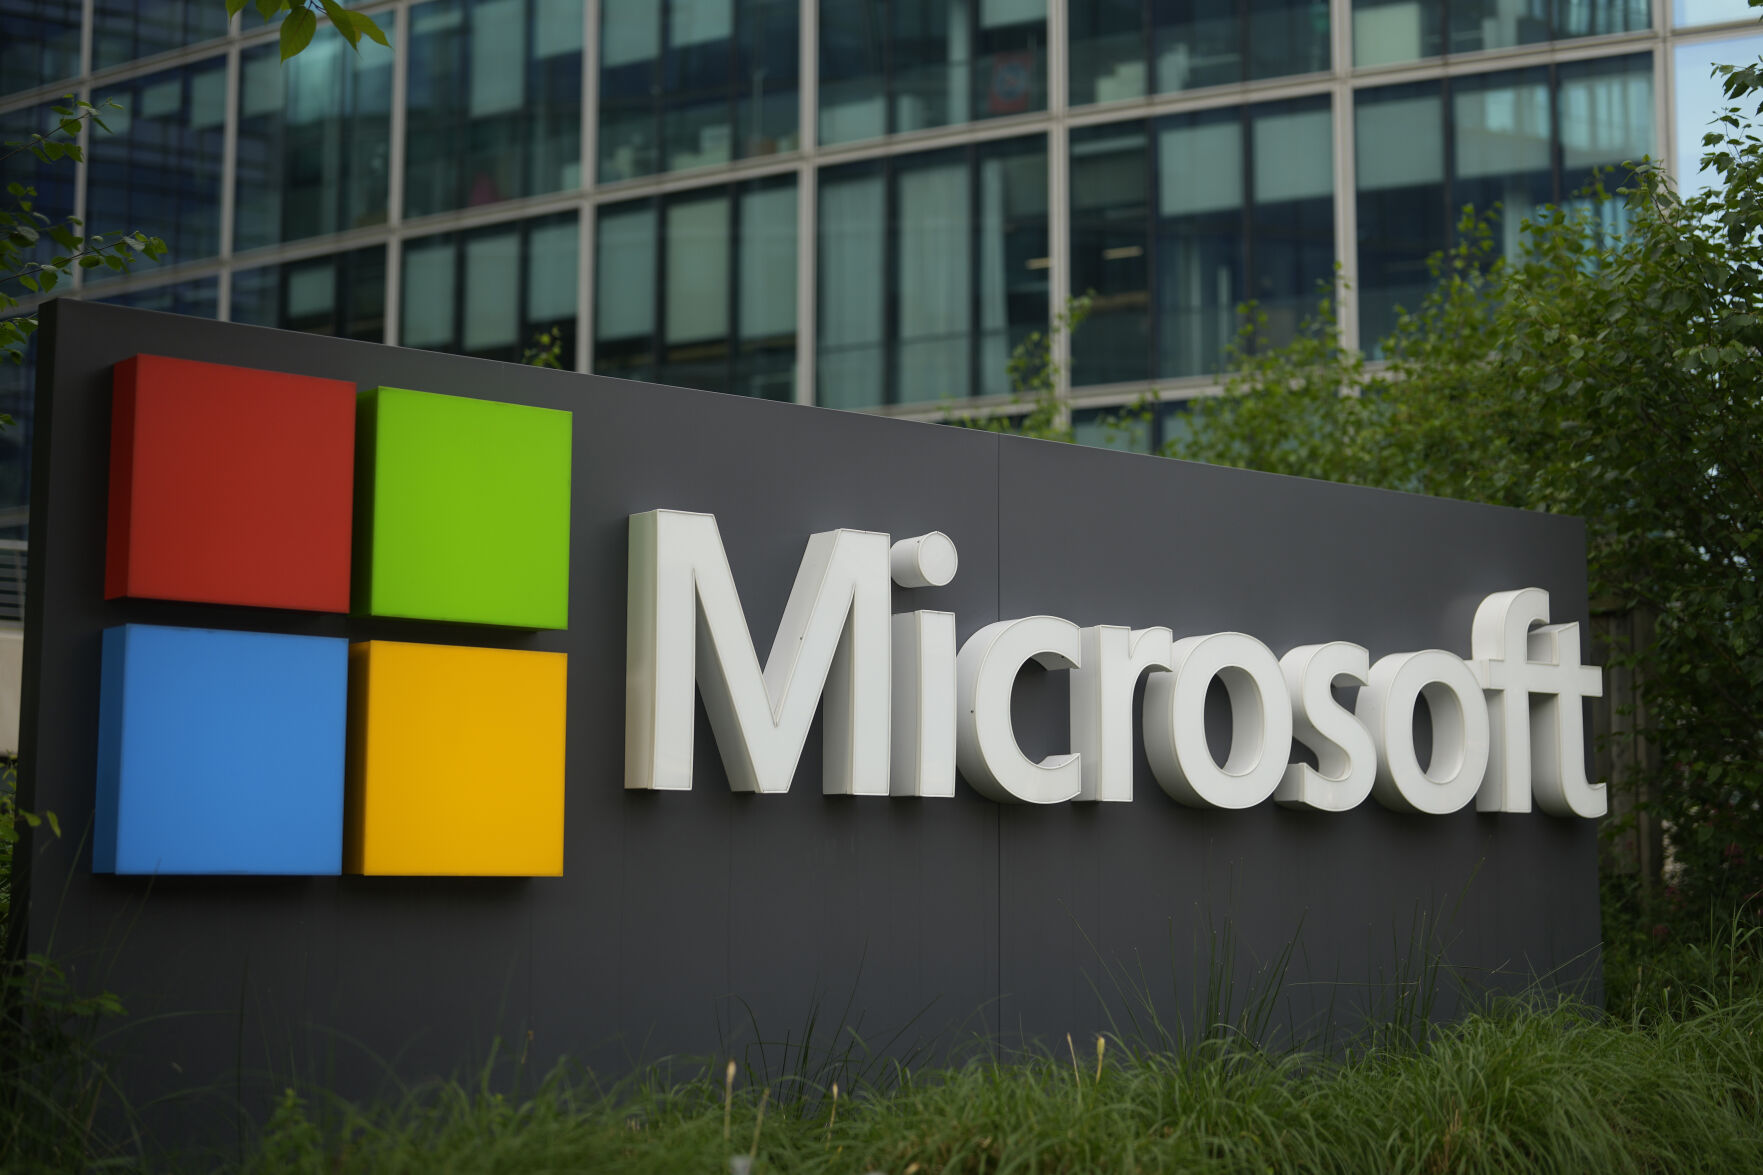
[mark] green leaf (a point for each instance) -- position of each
(341, 22)
(268, 8)
(54, 823)
(364, 26)
(234, 7)
(297, 29)
(49, 277)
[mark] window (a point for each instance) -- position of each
(1177, 221)
(933, 268)
(888, 66)
(1131, 428)
(1699, 98)
(1695, 12)
(199, 298)
(694, 83)
(158, 171)
(494, 102)
(1386, 31)
(42, 42)
(1130, 48)
(342, 295)
(314, 140)
(1519, 138)
(489, 292)
(123, 30)
(699, 289)
(54, 182)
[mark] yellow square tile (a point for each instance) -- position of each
(455, 761)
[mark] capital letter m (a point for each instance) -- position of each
(685, 627)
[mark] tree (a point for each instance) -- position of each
(300, 22)
(36, 252)
(1612, 375)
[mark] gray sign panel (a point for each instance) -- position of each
(687, 922)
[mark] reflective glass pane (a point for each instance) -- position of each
(1388, 31)
(888, 66)
(1403, 210)
(1110, 247)
(343, 295)
(1695, 12)
(766, 306)
(53, 182)
(494, 106)
(490, 292)
(42, 42)
(852, 263)
(1501, 128)
(1200, 238)
(123, 30)
(1108, 43)
(159, 170)
(199, 298)
(1592, 18)
(699, 289)
(695, 83)
(695, 290)
(625, 255)
(1013, 261)
(314, 140)
(1497, 24)
(932, 268)
(1291, 214)
(1699, 98)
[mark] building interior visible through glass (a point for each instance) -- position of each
(866, 209)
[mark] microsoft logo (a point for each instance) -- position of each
(224, 751)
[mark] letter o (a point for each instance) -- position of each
(1261, 722)
(1459, 731)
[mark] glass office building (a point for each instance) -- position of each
(863, 204)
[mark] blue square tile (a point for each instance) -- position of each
(220, 752)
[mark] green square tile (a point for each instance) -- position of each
(462, 510)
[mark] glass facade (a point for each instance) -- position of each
(490, 291)
(1177, 221)
(891, 66)
(696, 83)
(699, 289)
(54, 183)
(123, 30)
(42, 42)
(931, 268)
(1388, 31)
(876, 234)
(494, 106)
(198, 298)
(315, 141)
(1130, 48)
(159, 168)
(1698, 98)
(343, 294)
(1518, 139)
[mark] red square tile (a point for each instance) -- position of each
(229, 485)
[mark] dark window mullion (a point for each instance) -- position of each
(890, 283)
(975, 348)
(1153, 201)
(736, 255)
(658, 334)
(1448, 111)
(1246, 209)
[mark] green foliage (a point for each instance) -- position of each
(546, 349)
(300, 22)
(1039, 407)
(1609, 374)
(1545, 1088)
(23, 229)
